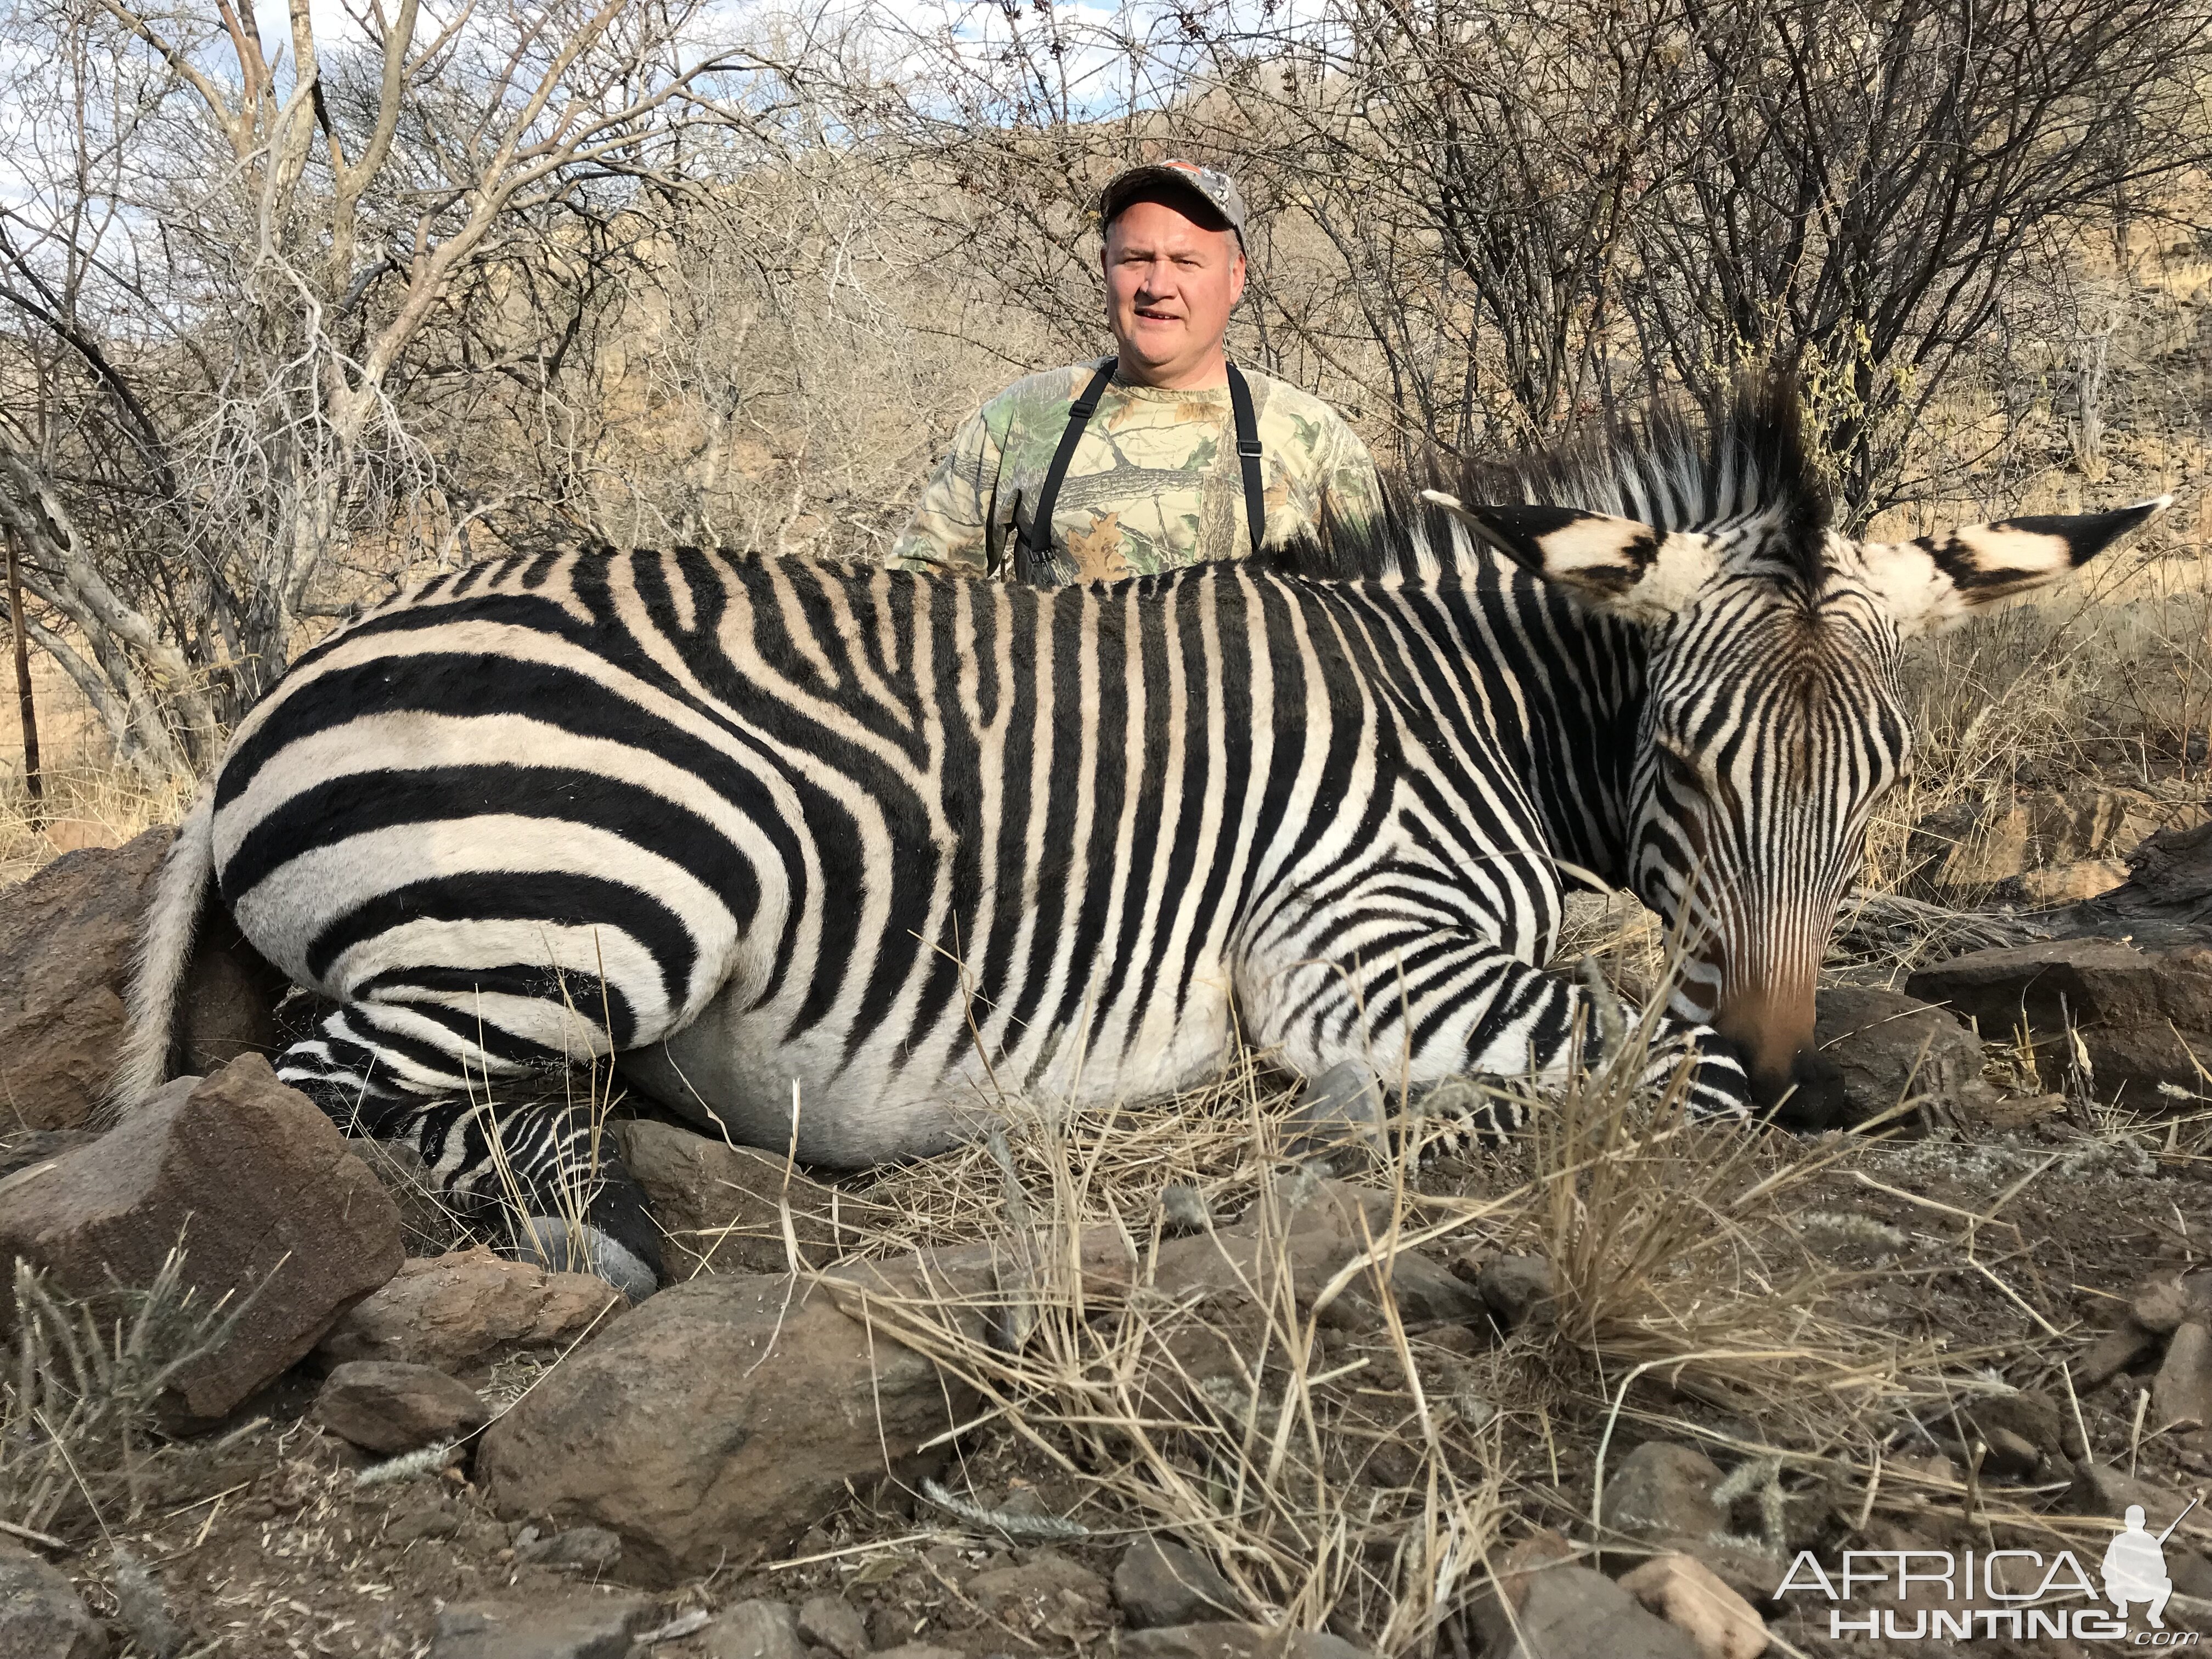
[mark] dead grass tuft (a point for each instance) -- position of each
(79, 1438)
(1346, 1466)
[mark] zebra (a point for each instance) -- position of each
(830, 855)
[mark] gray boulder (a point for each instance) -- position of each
(41, 1614)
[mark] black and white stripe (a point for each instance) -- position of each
(882, 846)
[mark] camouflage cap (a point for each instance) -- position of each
(1216, 189)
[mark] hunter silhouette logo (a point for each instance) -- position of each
(2000, 1595)
(2135, 1566)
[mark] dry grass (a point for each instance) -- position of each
(78, 1412)
(1297, 1424)
(92, 802)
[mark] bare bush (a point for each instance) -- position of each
(78, 1433)
(1488, 223)
(228, 268)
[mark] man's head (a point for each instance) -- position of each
(1175, 270)
(2135, 1518)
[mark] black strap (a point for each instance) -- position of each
(1248, 457)
(1033, 554)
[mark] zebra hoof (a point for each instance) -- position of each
(559, 1246)
(1342, 1108)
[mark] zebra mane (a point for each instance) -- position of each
(1744, 466)
(1748, 468)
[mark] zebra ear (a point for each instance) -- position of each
(1620, 564)
(1936, 580)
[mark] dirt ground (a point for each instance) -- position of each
(1999, 1255)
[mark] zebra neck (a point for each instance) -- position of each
(1578, 678)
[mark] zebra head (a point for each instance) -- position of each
(1774, 720)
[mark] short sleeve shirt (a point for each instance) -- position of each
(1154, 484)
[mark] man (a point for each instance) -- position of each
(2134, 1568)
(1163, 455)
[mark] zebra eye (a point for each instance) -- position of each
(1676, 769)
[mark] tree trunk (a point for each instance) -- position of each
(20, 629)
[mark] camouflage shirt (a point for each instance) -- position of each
(1154, 484)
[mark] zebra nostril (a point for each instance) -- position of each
(1810, 1096)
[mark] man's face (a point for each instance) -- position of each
(1170, 285)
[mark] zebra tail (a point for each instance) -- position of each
(164, 951)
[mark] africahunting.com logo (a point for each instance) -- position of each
(2011, 1594)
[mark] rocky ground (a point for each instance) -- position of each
(1147, 1383)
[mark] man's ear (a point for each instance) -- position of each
(1621, 565)
(1930, 583)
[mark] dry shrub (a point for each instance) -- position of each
(1676, 1252)
(78, 1409)
(1341, 1470)
(94, 801)
(1253, 1437)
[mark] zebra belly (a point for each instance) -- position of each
(731, 1071)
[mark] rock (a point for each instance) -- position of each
(21, 1151)
(2028, 1414)
(754, 1630)
(420, 1508)
(41, 1614)
(1664, 1490)
(2182, 1390)
(460, 1310)
(1518, 1289)
(1970, 847)
(1682, 1590)
(1539, 1552)
(2164, 1300)
(1225, 1282)
(1233, 1641)
(2166, 900)
(919, 1651)
(2008, 1456)
(67, 941)
(1340, 1112)
(729, 1407)
(1568, 1612)
(2144, 1020)
(1045, 1585)
(66, 938)
(832, 1622)
(2014, 1430)
(595, 1628)
(387, 1406)
(1894, 1050)
(1158, 1583)
(1428, 1295)
(275, 1200)
(590, 1549)
(2063, 884)
(2008, 1113)
(718, 1203)
(2113, 1353)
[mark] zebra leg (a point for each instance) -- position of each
(535, 1168)
(1451, 1004)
